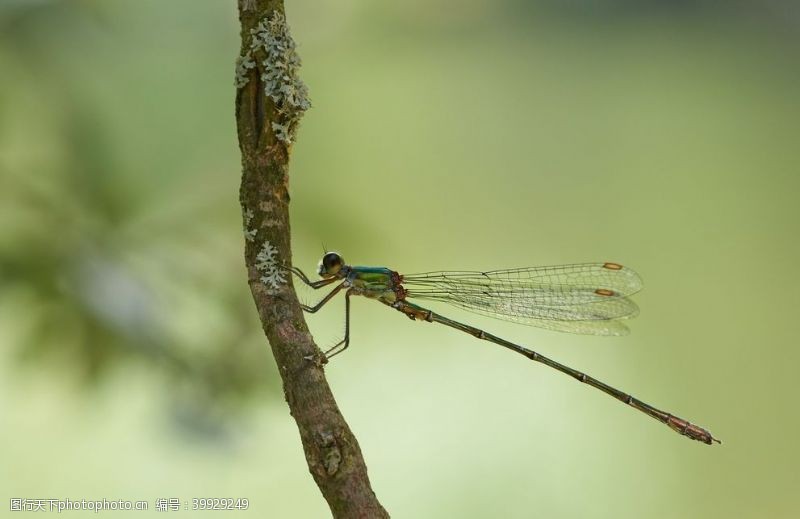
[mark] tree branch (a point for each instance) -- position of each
(270, 100)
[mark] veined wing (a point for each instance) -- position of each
(563, 284)
(585, 298)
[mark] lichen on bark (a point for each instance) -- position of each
(273, 47)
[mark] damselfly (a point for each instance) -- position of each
(589, 298)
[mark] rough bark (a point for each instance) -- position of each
(266, 125)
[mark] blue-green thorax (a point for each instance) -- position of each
(375, 282)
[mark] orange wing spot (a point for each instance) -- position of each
(604, 292)
(612, 266)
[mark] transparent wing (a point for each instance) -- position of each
(587, 298)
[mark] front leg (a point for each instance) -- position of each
(313, 284)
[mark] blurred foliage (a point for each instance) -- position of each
(110, 254)
(477, 134)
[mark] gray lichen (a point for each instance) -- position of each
(267, 264)
(249, 234)
(243, 65)
(273, 48)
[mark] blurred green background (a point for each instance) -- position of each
(444, 135)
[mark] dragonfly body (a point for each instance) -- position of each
(378, 283)
(583, 298)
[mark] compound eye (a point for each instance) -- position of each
(332, 260)
(331, 264)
